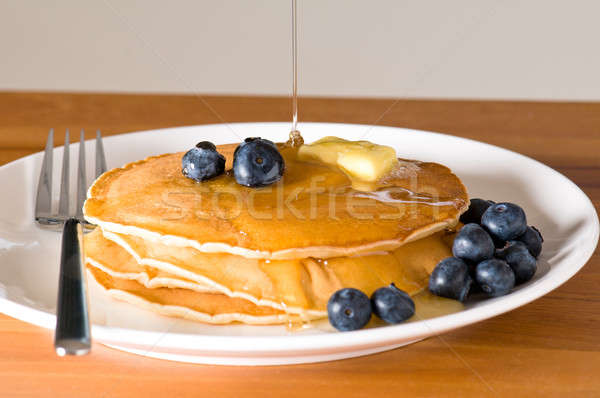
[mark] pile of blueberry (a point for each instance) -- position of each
(256, 162)
(494, 251)
(350, 309)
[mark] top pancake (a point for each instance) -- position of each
(311, 212)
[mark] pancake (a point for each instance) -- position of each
(311, 212)
(299, 287)
(204, 307)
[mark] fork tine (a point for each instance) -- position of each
(81, 177)
(63, 201)
(43, 201)
(100, 158)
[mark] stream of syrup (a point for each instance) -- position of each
(295, 139)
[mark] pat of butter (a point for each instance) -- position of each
(362, 161)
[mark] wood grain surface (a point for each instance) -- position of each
(550, 347)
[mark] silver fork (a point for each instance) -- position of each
(72, 334)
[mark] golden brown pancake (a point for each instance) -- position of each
(311, 212)
(300, 286)
(213, 308)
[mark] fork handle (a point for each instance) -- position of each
(72, 335)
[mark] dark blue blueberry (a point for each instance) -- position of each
(392, 304)
(473, 243)
(533, 240)
(520, 260)
(257, 163)
(495, 277)
(202, 162)
(475, 211)
(506, 221)
(349, 309)
(451, 279)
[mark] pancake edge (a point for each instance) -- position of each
(170, 268)
(286, 254)
(188, 313)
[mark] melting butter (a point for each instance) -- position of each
(363, 162)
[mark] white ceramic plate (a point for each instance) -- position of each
(29, 256)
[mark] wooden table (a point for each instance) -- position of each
(550, 347)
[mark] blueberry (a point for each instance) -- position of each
(518, 257)
(451, 279)
(475, 211)
(495, 277)
(349, 309)
(473, 244)
(257, 163)
(533, 240)
(392, 304)
(202, 162)
(505, 221)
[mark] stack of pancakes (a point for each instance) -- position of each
(218, 252)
